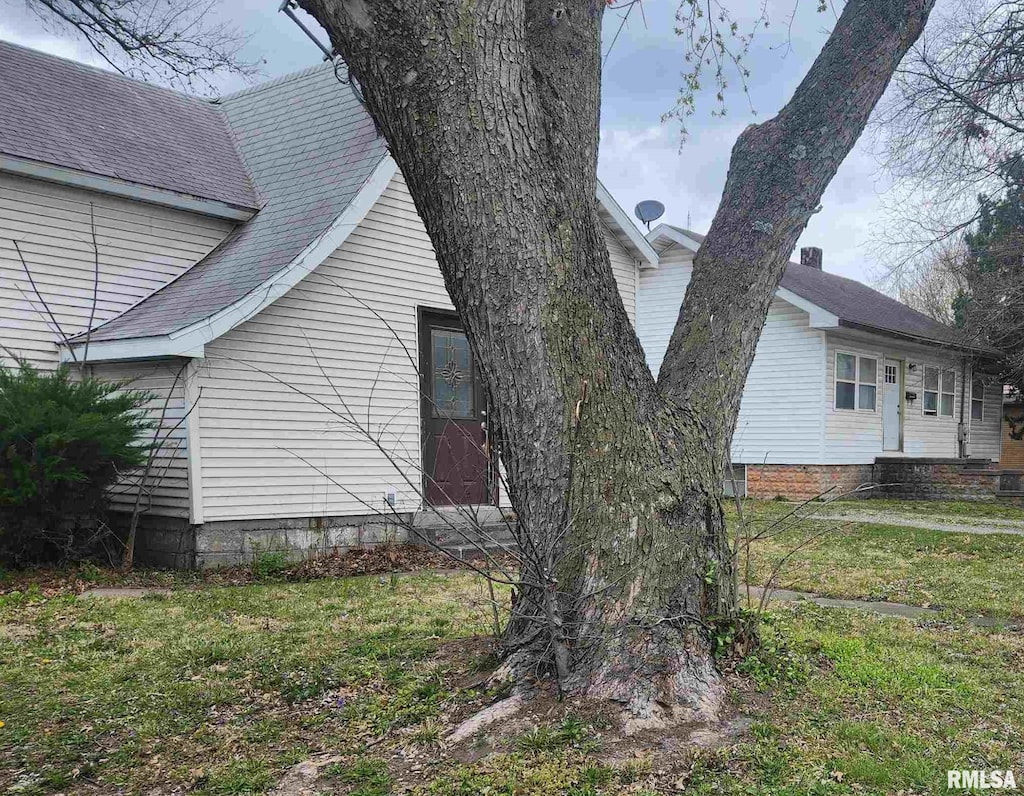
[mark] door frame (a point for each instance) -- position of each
(901, 375)
(424, 317)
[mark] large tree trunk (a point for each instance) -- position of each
(491, 109)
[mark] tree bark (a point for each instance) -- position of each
(491, 109)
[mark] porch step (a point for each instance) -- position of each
(465, 541)
(1010, 493)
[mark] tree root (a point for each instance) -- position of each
(660, 679)
(499, 711)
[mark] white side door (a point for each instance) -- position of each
(892, 410)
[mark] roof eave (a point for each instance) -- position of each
(920, 339)
(190, 340)
(670, 234)
(75, 178)
(637, 244)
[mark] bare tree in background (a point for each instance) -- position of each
(953, 117)
(931, 283)
(174, 42)
(491, 110)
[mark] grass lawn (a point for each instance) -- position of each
(962, 573)
(957, 510)
(219, 690)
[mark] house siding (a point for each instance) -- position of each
(287, 395)
(780, 418)
(166, 492)
(787, 414)
(141, 248)
(986, 434)
(855, 437)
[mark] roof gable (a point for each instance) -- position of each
(850, 302)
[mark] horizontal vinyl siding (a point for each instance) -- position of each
(856, 437)
(986, 434)
(288, 395)
(661, 295)
(165, 490)
(626, 270)
(780, 418)
(853, 437)
(780, 414)
(141, 248)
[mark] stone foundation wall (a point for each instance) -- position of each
(805, 481)
(173, 543)
(935, 479)
(903, 478)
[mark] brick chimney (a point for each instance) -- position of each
(811, 257)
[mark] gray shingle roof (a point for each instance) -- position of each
(856, 304)
(309, 146)
(63, 113)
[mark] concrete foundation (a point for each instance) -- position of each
(173, 543)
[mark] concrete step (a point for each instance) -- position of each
(489, 537)
(473, 553)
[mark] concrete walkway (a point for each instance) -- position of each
(877, 607)
(926, 522)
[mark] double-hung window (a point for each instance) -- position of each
(977, 399)
(856, 382)
(939, 392)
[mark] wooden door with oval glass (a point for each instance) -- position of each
(457, 458)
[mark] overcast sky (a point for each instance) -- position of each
(640, 157)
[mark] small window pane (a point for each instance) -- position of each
(867, 396)
(931, 403)
(931, 379)
(868, 370)
(946, 405)
(948, 381)
(977, 388)
(844, 395)
(846, 367)
(453, 374)
(977, 410)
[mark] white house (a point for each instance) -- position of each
(259, 265)
(847, 385)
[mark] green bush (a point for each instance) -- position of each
(63, 442)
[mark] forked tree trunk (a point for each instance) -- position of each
(491, 109)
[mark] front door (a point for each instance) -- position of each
(455, 457)
(892, 406)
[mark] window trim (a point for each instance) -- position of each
(980, 399)
(857, 383)
(939, 392)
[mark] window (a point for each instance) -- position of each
(856, 382)
(939, 391)
(977, 399)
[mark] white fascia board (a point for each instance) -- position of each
(820, 318)
(664, 231)
(123, 189)
(190, 340)
(648, 257)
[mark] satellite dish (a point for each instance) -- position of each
(649, 210)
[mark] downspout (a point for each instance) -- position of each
(961, 429)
